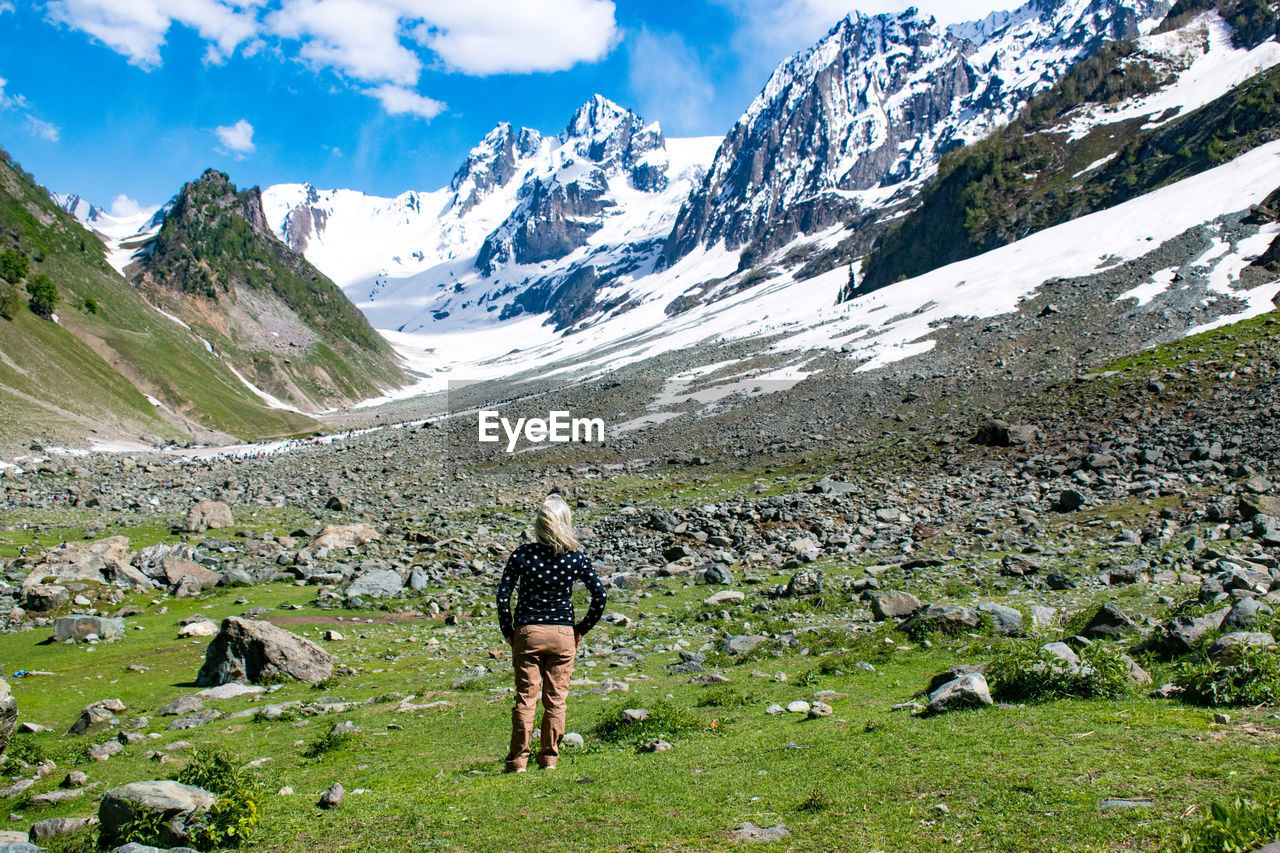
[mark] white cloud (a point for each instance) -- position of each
(8, 101)
(5, 7)
(484, 37)
(237, 137)
(397, 100)
(382, 44)
(137, 29)
(359, 38)
(667, 81)
(43, 129)
(123, 206)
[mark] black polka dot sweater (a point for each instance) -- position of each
(546, 589)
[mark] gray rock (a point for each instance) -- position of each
(1181, 633)
(44, 830)
(805, 583)
(43, 597)
(332, 798)
(103, 751)
(893, 604)
(1244, 613)
(967, 691)
(417, 580)
(947, 618)
(718, 574)
(173, 804)
(656, 746)
(190, 721)
(135, 847)
(1226, 649)
(380, 583)
(208, 514)
(572, 740)
(1069, 500)
(98, 712)
(748, 831)
(78, 627)
(1020, 565)
(8, 714)
(20, 847)
(249, 650)
(1109, 622)
(741, 644)
(1004, 620)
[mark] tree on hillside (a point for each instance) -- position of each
(13, 266)
(10, 302)
(44, 295)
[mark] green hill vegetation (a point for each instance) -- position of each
(89, 373)
(1030, 176)
(217, 265)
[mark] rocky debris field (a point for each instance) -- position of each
(1060, 599)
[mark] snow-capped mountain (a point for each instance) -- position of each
(867, 112)
(529, 223)
(122, 234)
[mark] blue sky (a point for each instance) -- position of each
(122, 101)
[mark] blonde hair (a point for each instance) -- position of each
(554, 525)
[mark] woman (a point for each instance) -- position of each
(543, 636)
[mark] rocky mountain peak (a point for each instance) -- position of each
(492, 163)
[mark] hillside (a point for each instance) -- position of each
(111, 367)
(217, 267)
(1119, 125)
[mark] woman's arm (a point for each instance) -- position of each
(505, 587)
(588, 576)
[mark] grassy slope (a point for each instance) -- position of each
(1022, 178)
(94, 373)
(1029, 777)
(208, 250)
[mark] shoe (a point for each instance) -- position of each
(510, 769)
(550, 766)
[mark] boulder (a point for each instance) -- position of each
(172, 804)
(98, 712)
(718, 575)
(996, 433)
(104, 561)
(741, 644)
(8, 714)
(250, 650)
(805, 583)
(208, 515)
(44, 830)
(200, 628)
(79, 627)
(1181, 633)
(947, 618)
(1251, 505)
(1019, 565)
(893, 604)
(1069, 500)
(967, 691)
(379, 583)
(1244, 613)
(1005, 620)
(1108, 623)
(1227, 648)
(179, 571)
(43, 597)
(951, 674)
(724, 596)
(340, 537)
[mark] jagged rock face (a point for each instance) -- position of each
(560, 208)
(492, 163)
(875, 104)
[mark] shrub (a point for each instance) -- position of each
(44, 295)
(1234, 827)
(13, 266)
(1254, 679)
(665, 720)
(90, 305)
(1024, 672)
(726, 697)
(10, 302)
(238, 811)
(328, 742)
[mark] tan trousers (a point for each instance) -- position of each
(543, 658)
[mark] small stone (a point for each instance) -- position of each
(572, 740)
(748, 831)
(656, 746)
(799, 706)
(1221, 719)
(332, 798)
(820, 709)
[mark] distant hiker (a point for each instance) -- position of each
(543, 636)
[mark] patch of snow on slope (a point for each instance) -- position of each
(1208, 66)
(1160, 281)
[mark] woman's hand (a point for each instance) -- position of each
(577, 640)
